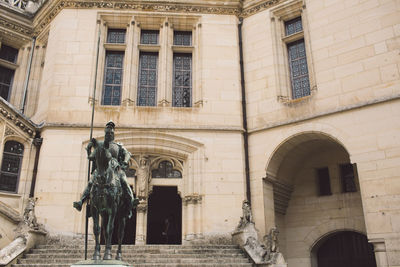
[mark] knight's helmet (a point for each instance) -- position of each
(110, 124)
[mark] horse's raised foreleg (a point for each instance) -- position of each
(109, 232)
(96, 232)
(121, 231)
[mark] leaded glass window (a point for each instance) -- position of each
(8, 53)
(113, 78)
(116, 36)
(298, 69)
(149, 37)
(347, 177)
(11, 165)
(293, 26)
(182, 83)
(6, 79)
(147, 88)
(183, 38)
(165, 170)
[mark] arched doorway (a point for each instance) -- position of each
(344, 249)
(164, 219)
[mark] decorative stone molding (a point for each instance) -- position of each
(248, 11)
(57, 6)
(9, 131)
(52, 8)
(13, 27)
(192, 199)
(17, 121)
(142, 207)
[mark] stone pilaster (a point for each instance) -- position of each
(141, 223)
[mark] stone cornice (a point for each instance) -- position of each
(50, 9)
(15, 28)
(260, 6)
(10, 114)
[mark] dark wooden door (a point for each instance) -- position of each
(164, 218)
(346, 249)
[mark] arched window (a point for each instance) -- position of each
(11, 166)
(165, 170)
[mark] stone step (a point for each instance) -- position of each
(147, 265)
(140, 251)
(63, 254)
(135, 261)
(91, 245)
(128, 255)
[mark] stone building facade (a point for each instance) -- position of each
(319, 131)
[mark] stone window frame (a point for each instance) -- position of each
(14, 66)
(20, 167)
(105, 21)
(167, 24)
(133, 23)
(354, 178)
(279, 15)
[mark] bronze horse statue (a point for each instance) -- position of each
(107, 199)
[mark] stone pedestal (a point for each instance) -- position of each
(240, 237)
(247, 238)
(101, 263)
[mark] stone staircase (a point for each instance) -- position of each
(63, 255)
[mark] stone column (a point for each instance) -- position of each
(141, 223)
(188, 202)
(199, 219)
(380, 252)
(193, 220)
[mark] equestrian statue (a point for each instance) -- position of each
(109, 193)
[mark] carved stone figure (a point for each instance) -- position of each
(247, 216)
(29, 214)
(271, 240)
(143, 176)
(108, 190)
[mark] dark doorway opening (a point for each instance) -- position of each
(164, 218)
(129, 234)
(345, 249)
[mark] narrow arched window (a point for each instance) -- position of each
(11, 166)
(165, 170)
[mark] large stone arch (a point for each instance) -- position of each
(292, 198)
(292, 138)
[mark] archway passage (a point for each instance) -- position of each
(164, 219)
(345, 249)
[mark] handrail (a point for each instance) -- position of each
(11, 252)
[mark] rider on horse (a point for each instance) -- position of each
(117, 152)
